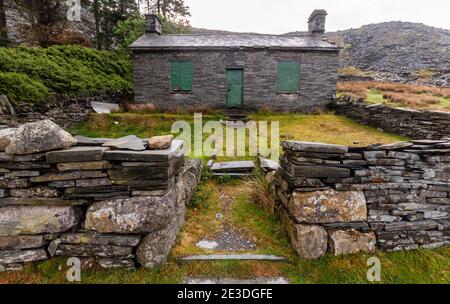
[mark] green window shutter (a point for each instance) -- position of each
(288, 80)
(186, 76)
(181, 76)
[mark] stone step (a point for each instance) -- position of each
(233, 257)
(220, 281)
(233, 167)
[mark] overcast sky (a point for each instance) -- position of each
(281, 16)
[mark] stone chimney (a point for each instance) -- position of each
(316, 22)
(153, 24)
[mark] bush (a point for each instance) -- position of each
(68, 70)
(21, 87)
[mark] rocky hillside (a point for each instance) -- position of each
(400, 51)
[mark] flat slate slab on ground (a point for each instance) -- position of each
(234, 257)
(263, 281)
(104, 108)
(236, 166)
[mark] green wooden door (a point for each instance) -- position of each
(235, 88)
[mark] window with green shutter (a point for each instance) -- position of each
(288, 79)
(181, 76)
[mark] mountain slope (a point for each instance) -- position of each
(401, 48)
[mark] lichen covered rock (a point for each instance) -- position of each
(310, 241)
(135, 215)
(38, 137)
(29, 220)
(351, 242)
(328, 206)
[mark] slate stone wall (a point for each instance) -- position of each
(318, 79)
(64, 111)
(115, 208)
(345, 200)
(406, 122)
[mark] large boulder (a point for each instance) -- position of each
(31, 220)
(38, 137)
(351, 242)
(310, 241)
(136, 215)
(330, 206)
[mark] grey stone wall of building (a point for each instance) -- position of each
(410, 123)
(345, 200)
(318, 77)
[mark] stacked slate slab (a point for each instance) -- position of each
(410, 123)
(345, 200)
(93, 201)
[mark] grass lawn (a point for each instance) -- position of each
(232, 200)
(328, 128)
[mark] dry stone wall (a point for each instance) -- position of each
(346, 200)
(116, 207)
(406, 122)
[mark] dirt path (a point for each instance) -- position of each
(227, 223)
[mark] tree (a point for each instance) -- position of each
(3, 27)
(107, 14)
(170, 10)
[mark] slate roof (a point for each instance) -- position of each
(231, 41)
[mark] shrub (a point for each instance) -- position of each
(21, 87)
(412, 100)
(68, 70)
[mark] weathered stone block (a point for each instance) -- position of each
(37, 220)
(76, 155)
(14, 183)
(309, 241)
(42, 192)
(319, 171)
(93, 182)
(97, 193)
(22, 256)
(145, 156)
(314, 147)
(13, 201)
(350, 242)
(14, 174)
(328, 206)
(85, 250)
(133, 216)
(160, 142)
(94, 165)
(22, 242)
(67, 176)
(93, 238)
(38, 137)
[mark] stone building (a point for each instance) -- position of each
(246, 71)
